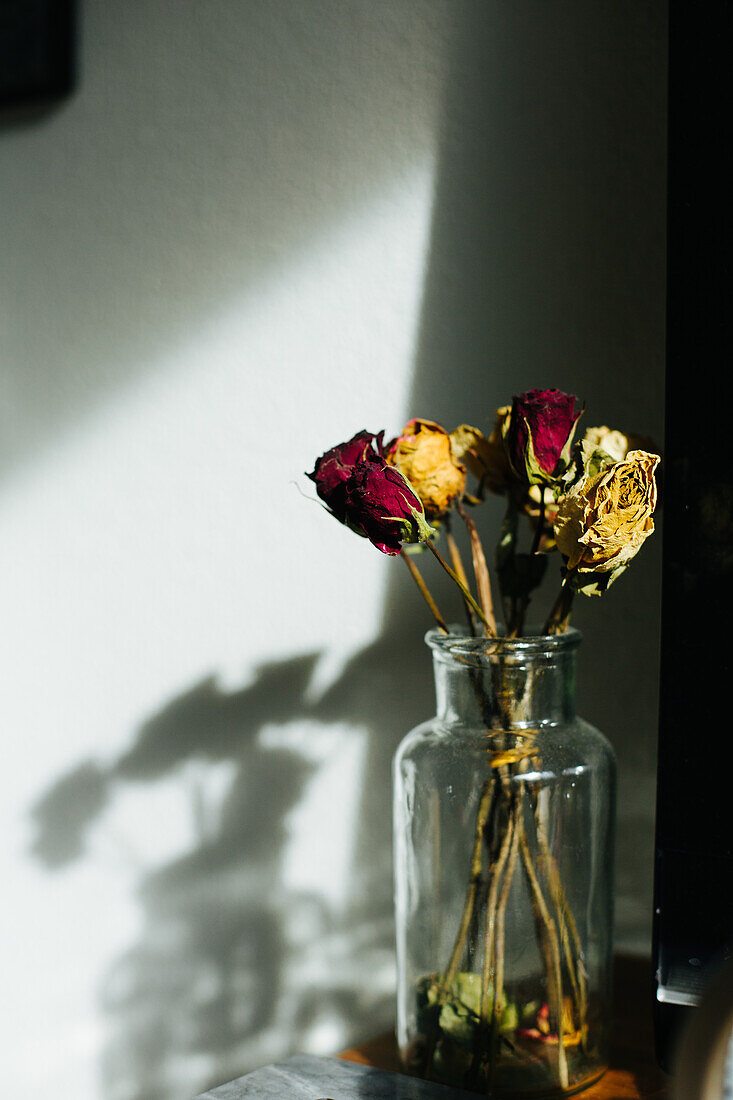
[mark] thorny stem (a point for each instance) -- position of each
(425, 591)
(551, 951)
(454, 576)
(480, 569)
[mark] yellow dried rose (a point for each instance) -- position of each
(602, 521)
(423, 453)
(486, 458)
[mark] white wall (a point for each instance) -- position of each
(255, 228)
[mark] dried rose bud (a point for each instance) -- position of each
(486, 458)
(602, 521)
(540, 433)
(333, 469)
(381, 505)
(423, 453)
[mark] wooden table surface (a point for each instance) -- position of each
(633, 1073)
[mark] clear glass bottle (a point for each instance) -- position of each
(504, 823)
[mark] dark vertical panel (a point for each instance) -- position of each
(694, 868)
(36, 49)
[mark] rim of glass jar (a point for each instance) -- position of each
(461, 647)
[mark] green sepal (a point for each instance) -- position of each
(535, 474)
(566, 451)
(573, 472)
(424, 530)
(598, 462)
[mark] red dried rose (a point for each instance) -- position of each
(540, 434)
(333, 469)
(382, 506)
(372, 498)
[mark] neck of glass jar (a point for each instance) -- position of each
(506, 690)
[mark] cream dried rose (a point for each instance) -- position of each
(615, 443)
(602, 521)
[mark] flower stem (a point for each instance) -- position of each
(559, 617)
(566, 923)
(485, 1035)
(457, 580)
(482, 817)
(539, 530)
(501, 908)
(455, 557)
(480, 569)
(505, 562)
(425, 591)
(484, 810)
(551, 951)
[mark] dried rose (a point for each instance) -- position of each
(600, 448)
(373, 499)
(333, 469)
(616, 444)
(539, 435)
(424, 454)
(602, 521)
(486, 458)
(381, 505)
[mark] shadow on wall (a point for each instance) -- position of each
(546, 268)
(231, 964)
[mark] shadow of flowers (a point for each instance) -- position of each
(234, 965)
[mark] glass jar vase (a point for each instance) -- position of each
(504, 822)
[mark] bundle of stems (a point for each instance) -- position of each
(510, 835)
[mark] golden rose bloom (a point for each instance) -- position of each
(486, 458)
(423, 453)
(603, 520)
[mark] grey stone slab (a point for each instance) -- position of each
(305, 1077)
